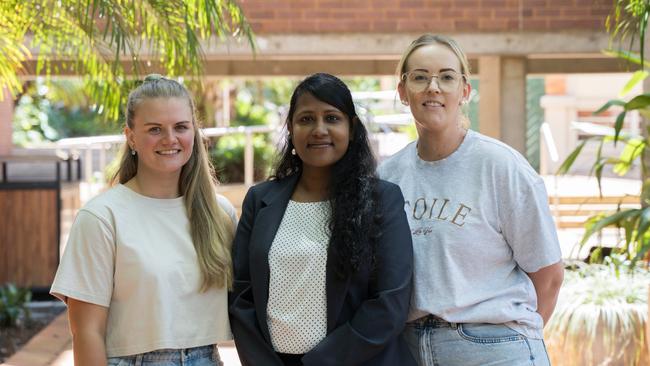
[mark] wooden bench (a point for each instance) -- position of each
(572, 212)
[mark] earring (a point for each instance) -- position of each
(133, 152)
(293, 151)
(405, 102)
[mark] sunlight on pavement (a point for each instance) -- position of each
(64, 359)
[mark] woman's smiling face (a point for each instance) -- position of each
(162, 135)
(433, 109)
(320, 132)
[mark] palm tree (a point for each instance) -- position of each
(111, 42)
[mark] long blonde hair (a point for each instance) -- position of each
(211, 228)
(429, 39)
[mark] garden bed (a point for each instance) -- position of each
(13, 338)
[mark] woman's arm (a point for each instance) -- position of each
(529, 229)
(547, 282)
(88, 327)
(381, 317)
(251, 346)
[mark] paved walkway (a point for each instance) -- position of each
(50, 347)
(53, 347)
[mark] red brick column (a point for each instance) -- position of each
(6, 121)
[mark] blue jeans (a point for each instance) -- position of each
(198, 356)
(435, 342)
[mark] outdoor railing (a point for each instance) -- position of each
(84, 146)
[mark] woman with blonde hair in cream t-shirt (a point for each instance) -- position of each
(147, 267)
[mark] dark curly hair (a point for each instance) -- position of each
(352, 186)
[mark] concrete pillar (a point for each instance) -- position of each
(502, 107)
(6, 123)
(559, 112)
(489, 110)
(225, 103)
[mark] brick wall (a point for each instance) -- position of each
(389, 16)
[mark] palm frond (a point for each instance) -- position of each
(109, 42)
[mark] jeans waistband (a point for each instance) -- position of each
(432, 321)
(178, 354)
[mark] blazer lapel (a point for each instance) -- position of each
(267, 222)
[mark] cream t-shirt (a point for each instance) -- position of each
(134, 255)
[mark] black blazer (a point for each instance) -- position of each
(365, 314)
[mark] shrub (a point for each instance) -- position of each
(228, 158)
(13, 305)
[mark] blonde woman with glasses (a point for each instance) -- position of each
(147, 267)
(487, 262)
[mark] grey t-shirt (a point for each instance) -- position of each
(479, 220)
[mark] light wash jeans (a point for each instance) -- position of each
(435, 342)
(198, 356)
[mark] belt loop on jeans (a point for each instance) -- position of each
(436, 319)
(138, 359)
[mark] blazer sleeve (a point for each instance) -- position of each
(382, 316)
(252, 348)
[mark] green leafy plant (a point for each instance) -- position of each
(600, 317)
(228, 158)
(13, 305)
(628, 22)
(50, 111)
(250, 114)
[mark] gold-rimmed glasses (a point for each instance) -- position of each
(419, 80)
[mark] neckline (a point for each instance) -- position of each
(158, 202)
(455, 155)
(308, 203)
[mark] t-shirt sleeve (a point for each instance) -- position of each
(86, 269)
(228, 208)
(528, 226)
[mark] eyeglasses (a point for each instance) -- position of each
(418, 81)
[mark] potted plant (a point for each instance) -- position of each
(600, 317)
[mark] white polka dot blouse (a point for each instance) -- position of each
(297, 306)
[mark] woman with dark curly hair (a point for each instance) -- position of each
(322, 255)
